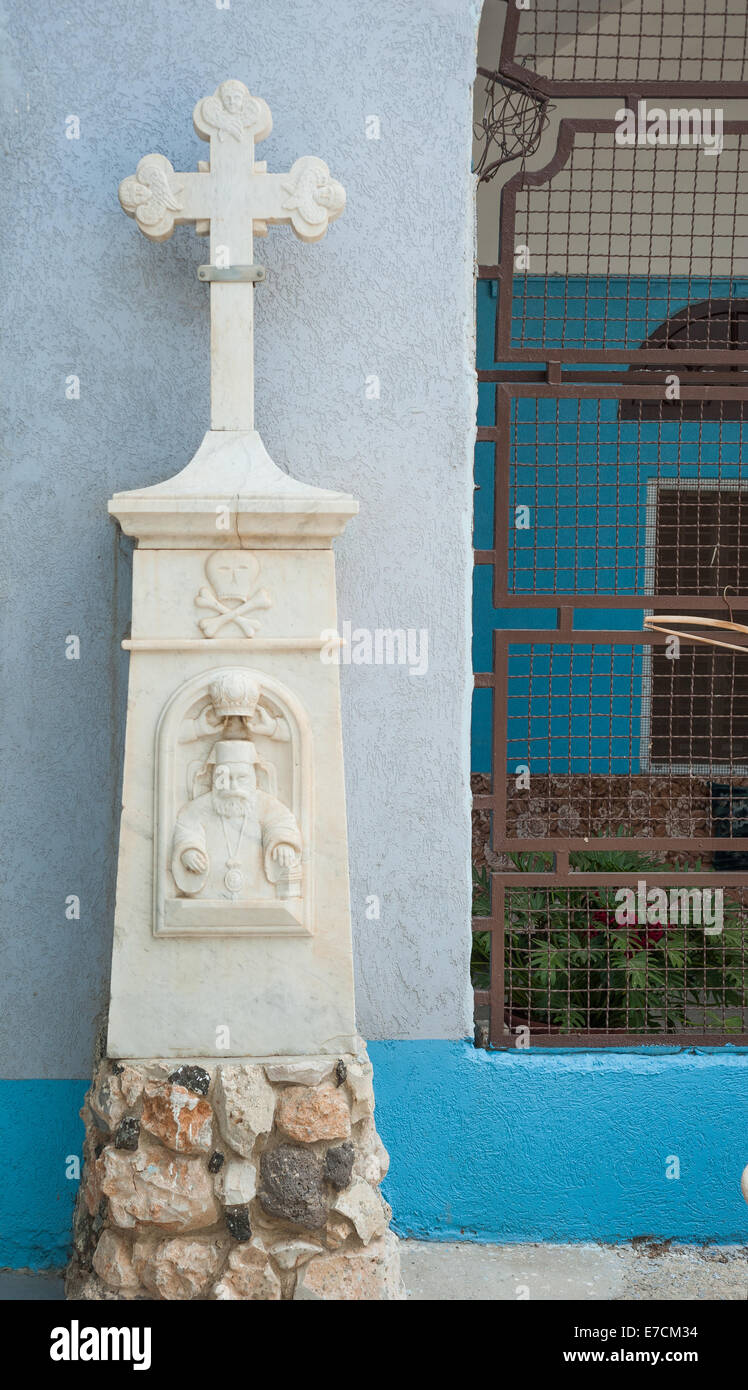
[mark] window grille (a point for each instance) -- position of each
(600, 763)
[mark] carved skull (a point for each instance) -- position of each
(232, 574)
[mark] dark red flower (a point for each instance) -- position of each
(644, 934)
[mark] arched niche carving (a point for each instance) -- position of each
(210, 878)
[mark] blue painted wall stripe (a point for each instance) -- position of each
(563, 1146)
(518, 1146)
(39, 1129)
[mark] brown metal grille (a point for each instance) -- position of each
(616, 762)
(582, 712)
(640, 217)
(581, 47)
(624, 508)
(629, 752)
(625, 986)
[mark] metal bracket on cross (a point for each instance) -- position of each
(232, 274)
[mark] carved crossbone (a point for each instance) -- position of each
(260, 598)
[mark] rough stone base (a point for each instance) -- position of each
(232, 1180)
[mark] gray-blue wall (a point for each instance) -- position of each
(387, 294)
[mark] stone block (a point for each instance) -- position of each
(112, 1261)
(127, 1135)
(236, 1182)
(299, 1071)
(237, 1222)
(248, 1275)
(195, 1079)
(153, 1187)
(339, 1165)
(180, 1118)
(359, 1080)
(292, 1186)
(372, 1160)
(362, 1275)
(289, 1254)
(244, 1104)
(182, 1267)
(310, 1113)
(362, 1206)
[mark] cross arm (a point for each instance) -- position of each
(159, 198)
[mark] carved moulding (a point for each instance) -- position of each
(223, 716)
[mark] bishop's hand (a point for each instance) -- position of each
(208, 722)
(285, 855)
(195, 860)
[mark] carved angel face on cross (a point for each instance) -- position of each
(313, 195)
(234, 94)
(150, 195)
(230, 111)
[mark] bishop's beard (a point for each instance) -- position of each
(233, 804)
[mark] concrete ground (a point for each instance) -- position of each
(640, 1272)
(435, 1272)
(19, 1284)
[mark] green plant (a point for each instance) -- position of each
(570, 964)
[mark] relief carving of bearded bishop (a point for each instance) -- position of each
(236, 842)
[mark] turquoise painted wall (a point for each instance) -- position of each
(485, 1146)
(39, 1132)
(563, 1146)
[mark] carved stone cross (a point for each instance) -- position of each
(232, 198)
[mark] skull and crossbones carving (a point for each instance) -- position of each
(233, 593)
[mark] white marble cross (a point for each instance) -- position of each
(232, 198)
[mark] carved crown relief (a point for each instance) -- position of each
(233, 809)
(232, 594)
(230, 111)
(151, 196)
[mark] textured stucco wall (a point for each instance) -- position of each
(555, 1146)
(388, 293)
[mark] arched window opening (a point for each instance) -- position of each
(714, 325)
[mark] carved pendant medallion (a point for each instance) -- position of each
(233, 878)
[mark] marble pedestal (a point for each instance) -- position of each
(231, 1150)
(203, 975)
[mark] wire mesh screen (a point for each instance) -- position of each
(620, 238)
(571, 710)
(585, 721)
(588, 42)
(597, 504)
(696, 712)
(585, 959)
(610, 837)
